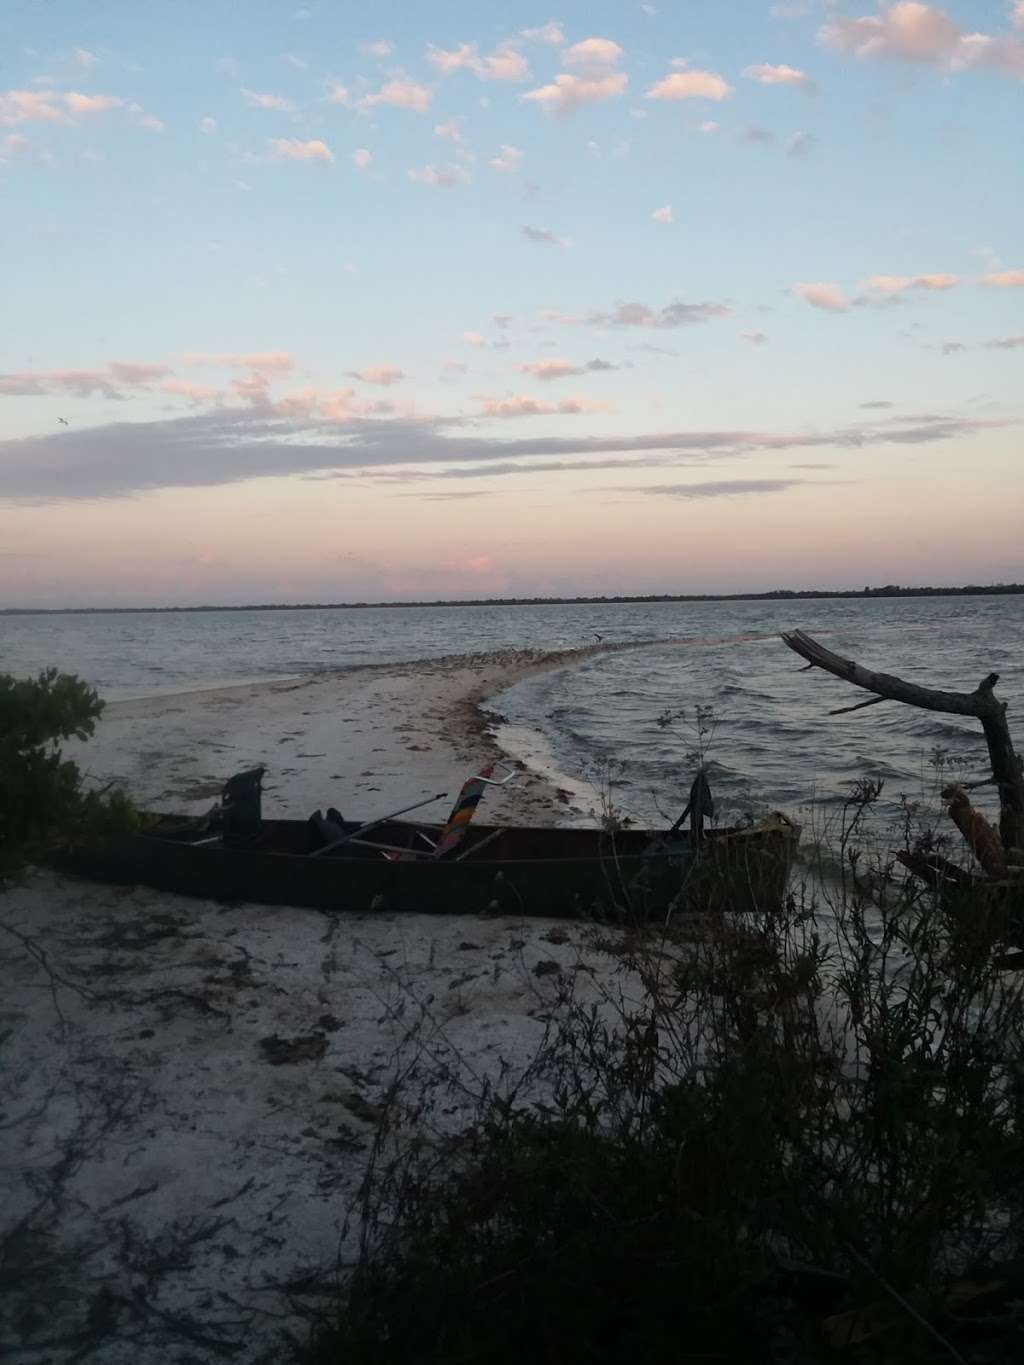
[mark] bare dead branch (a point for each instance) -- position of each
(845, 710)
(37, 952)
(982, 704)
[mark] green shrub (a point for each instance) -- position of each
(43, 802)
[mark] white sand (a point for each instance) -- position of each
(171, 1194)
(366, 740)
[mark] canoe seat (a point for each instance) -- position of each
(240, 813)
(325, 829)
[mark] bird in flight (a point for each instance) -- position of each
(63, 421)
(597, 637)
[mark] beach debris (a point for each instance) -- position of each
(557, 935)
(981, 838)
(285, 1051)
(999, 855)
(357, 1105)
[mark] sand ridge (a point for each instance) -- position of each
(366, 739)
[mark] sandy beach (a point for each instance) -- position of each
(191, 1090)
(365, 740)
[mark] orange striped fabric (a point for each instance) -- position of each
(462, 812)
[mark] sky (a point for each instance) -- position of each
(326, 302)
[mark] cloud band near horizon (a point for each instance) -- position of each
(232, 445)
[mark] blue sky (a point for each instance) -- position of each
(616, 297)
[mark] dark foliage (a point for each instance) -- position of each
(800, 1141)
(43, 802)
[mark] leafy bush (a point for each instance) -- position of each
(43, 802)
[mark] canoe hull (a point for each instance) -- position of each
(582, 873)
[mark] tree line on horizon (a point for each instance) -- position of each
(774, 594)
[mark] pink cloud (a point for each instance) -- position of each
(256, 99)
(380, 49)
(477, 565)
(30, 106)
(362, 158)
(562, 369)
(568, 93)
(690, 85)
(196, 394)
(302, 403)
(462, 58)
(673, 315)
(505, 63)
(898, 284)
(1005, 279)
(292, 149)
(766, 74)
(52, 106)
(24, 384)
(137, 373)
(826, 296)
(379, 374)
(551, 33)
(663, 215)
(254, 388)
(593, 53)
(907, 30)
(401, 93)
(336, 405)
(91, 104)
(438, 177)
(149, 122)
(451, 129)
(15, 144)
(76, 383)
(910, 31)
(509, 160)
(549, 369)
(524, 405)
(105, 382)
(267, 362)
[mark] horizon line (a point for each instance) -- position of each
(890, 590)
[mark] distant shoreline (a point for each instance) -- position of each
(776, 595)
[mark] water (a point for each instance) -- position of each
(773, 742)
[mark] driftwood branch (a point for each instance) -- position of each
(982, 704)
(981, 837)
(845, 710)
